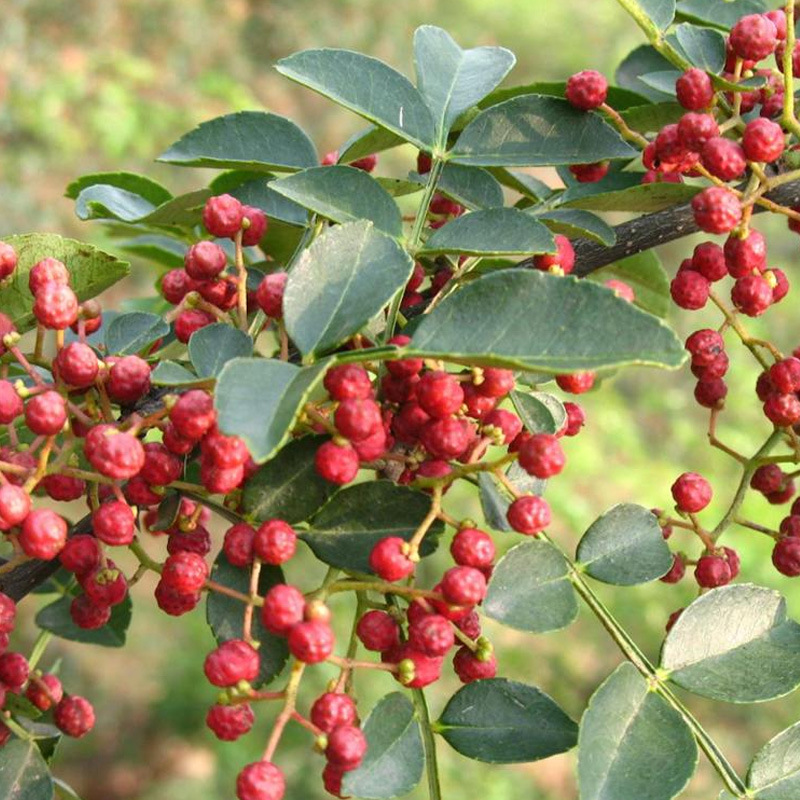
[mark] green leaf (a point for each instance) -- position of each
(394, 761)
(226, 619)
(253, 140)
(720, 13)
(399, 188)
(288, 486)
(473, 187)
(735, 644)
(366, 86)
(213, 346)
(533, 130)
(167, 513)
(259, 399)
(255, 189)
(494, 503)
(56, 619)
(573, 222)
(452, 80)
(625, 546)
(343, 194)
(704, 47)
(530, 589)
(660, 12)
(617, 98)
(647, 277)
(505, 722)
(663, 80)
(652, 117)
(64, 790)
(632, 744)
(140, 185)
(281, 241)
(162, 249)
(47, 747)
(47, 737)
(595, 328)
(19, 706)
(344, 531)
(368, 142)
(641, 61)
(130, 333)
(340, 282)
(625, 192)
(110, 202)
(24, 774)
(58, 583)
(170, 373)
(526, 185)
(185, 210)
(91, 270)
(775, 771)
(540, 412)
(494, 231)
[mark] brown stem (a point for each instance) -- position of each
(255, 573)
(290, 694)
(715, 442)
(241, 288)
(351, 663)
(424, 526)
(622, 126)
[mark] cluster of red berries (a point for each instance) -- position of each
(203, 289)
(744, 258)
(699, 144)
(72, 715)
(411, 420)
(235, 664)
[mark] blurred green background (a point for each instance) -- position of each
(96, 85)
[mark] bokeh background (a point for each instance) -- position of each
(96, 85)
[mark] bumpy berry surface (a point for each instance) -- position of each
(222, 216)
(337, 463)
(691, 492)
(389, 560)
(586, 90)
(261, 780)
(716, 210)
(333, 709)
(763, 140)
(231, 662)
(753, 37)
(8, 260)
(311, 642)
(14, 670)
(378, 631)
(114, 523)
(55, 306)
(185, 572)
(529, 514)
(229, 723)
(694, 89)
(469, 668)
(270, 294)
(74, 716)
(274, 542)
(283, 608)
(43, 534)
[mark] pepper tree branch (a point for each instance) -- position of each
(652, 230)
(635, 236)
